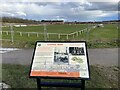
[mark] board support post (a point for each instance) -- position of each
(38, 83)
(41, 84)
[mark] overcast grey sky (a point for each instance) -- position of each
(68, 10)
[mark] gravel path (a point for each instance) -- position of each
(96, 56)
(106, 57)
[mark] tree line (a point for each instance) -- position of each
(18, 20)
(27, 21)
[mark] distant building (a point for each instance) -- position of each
(100, 25)
(20, 25)
(23, 25)
(16, 25)
(53, 21)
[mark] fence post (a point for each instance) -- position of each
(47, 35)
(28, 34)
(77, 33)
(59, 36)
(37, 35)
(1, 32)
(20, 33)
(73, 35)
(12, 33)
(7, 32)
(67, 36)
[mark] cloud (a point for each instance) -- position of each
(58, 1)
(105, 6)
(79, 10)
(21, 13)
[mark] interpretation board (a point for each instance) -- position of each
(60, 60)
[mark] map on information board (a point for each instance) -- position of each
(60, 59)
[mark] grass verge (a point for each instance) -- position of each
(101, 77)
(91, 44)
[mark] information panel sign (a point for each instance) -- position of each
(60, 59)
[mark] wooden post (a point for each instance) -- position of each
(37, 35)
(28, 34)
(12, 33)
(59, 36)
(67, 36)
(7, 32)
(47, 35)
(73, 36)
(77, 33)
(1, 32)
(20, 33)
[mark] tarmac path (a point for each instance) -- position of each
(107, 56)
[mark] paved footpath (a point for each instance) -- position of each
(96, 56)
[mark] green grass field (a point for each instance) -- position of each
(17, 76)
(103, 37)
(50, 28)
(108, 33)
